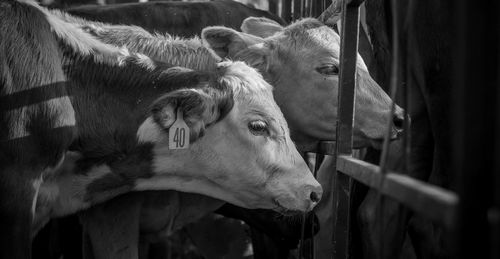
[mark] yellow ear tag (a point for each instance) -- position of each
(178, 134)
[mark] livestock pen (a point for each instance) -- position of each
(449, 204)
(469, 212)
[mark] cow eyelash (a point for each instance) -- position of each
(258, 128)
(328, 70)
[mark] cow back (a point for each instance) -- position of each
(177, 18)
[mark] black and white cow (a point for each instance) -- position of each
(37, 119)
(118, 119)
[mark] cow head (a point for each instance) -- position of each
(244, 157)
(302, 63)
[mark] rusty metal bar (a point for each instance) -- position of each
(342, 185)
(317, 8)
(303, 8)
(332, 10)
(286, 10)
(326, 148)
(273, 6)
(296, 9)
(433, 202)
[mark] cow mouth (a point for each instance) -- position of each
(285, 211)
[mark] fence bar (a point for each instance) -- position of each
(286, 10)
(273, 6)
(317, 8)
(433, 202)
(347, 81)
(296, 9)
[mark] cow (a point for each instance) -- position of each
(221, 39)
(36, 115)
(121, 108)
(183, 19)
(123, 114)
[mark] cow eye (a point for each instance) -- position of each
(258, 128)
(328, 70)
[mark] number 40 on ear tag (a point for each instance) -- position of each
(178, 134)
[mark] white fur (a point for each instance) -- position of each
(36, 185)
(19, 117)
(149, 131)
(80, 41)
(65, 194)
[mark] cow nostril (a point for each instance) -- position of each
(314, 197)
(398, 122)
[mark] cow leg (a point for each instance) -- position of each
(206, 235)
(112, 228)
(393, 227)
(159, 250)
(427, 238)
(17, 193)
(60, 238)
(46, 242)
(284, 231)
(266, 247)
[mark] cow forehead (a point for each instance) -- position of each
(313, 43)
(251, 91)
(317, 39)
(243, 79)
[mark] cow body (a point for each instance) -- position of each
(121, 115)
(25, 153)
(37, 118)
(120, 152)
(184, 19)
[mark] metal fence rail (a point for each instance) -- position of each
(435, 203)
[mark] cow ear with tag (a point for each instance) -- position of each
(178, 133)
(188, 109)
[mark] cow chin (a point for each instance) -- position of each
(282, 203)
(289, 206)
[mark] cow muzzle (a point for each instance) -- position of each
(306, 199)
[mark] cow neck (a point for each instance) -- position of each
(111, 101)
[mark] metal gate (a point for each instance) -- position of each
(473, 221)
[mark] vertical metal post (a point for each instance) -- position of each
(286, 10)
(296, 9)
(317, 8)
(273, 6)
(347, 81)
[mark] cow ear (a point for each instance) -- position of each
(200, 108)
(260, 26)
(227, 42)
